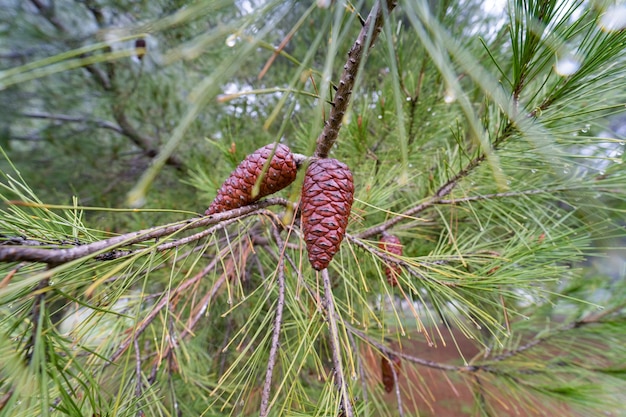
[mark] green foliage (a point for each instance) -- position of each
(479, 140)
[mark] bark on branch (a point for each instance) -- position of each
(56, 255)
(369, 32)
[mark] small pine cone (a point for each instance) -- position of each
(327, 195)
(391, 244)
(388, 364)
(237, 189)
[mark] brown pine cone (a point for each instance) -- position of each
(391, 244)
(327, 195)
(386, 363)
(237, 189)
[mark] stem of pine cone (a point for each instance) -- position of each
(365, 40)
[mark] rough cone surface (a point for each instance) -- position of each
(237, 189)
(391, 244)
(327, 195)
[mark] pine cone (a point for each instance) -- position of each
(327, 195)
(391, 244)
(237, 189)
(386, 363)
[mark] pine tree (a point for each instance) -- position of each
(473, 275)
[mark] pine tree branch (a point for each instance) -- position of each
(441, 192)
(203, 305)
(502, 195)
(369, 32)
(280, 303)
(335, 345)
(102, 247)
(116, 254)
(480, 393)
(74, 119)
(387, 350)
(414, 100)
(48, 13)
(589, 319)
(143, 142)
(438, 199)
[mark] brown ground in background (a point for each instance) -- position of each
(428, 392)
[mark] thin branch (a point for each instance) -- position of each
(414, 100)
(443, 191)
(360, 366)
(424, 362)
(397, 388)
(203, 305)
(5, 398)
(500, 195)
(179, 242)
(369, 32)
(63, 255)
(190, 324)
(195, 315)
(335, 345)
(74, 119)
(590, 319)
(49, 15)
(221, 351)
(384, 348)
(280, 303)
(7, 278)
(482, 401)
(35, 317)
(229, 272)
(138, 388)
(143, 142)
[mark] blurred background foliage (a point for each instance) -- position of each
(516, 268)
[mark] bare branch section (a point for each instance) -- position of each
(365, 40)
(55, 255)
